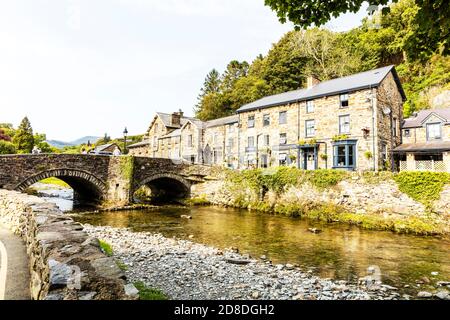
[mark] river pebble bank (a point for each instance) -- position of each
(186, 270)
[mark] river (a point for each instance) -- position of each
(340, 251)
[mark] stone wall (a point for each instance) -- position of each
(65, 263)
(355, 194)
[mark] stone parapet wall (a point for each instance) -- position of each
(65, 263)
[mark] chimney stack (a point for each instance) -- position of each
(311, 81)
(176, 118)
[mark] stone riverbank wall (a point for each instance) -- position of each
(355, 193)
(65, 263)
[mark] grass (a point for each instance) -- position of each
(106, 248)
(122, 266)
(146, 293)
(199, 201)
(55, 181)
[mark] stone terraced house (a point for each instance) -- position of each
(351, 123)
(426, 141)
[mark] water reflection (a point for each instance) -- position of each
(340, 251)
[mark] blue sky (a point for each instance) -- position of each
(86, 67)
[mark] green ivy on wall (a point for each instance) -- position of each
(424, 187)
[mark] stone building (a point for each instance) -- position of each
(426, 141)
(347, 123)
(351, 123)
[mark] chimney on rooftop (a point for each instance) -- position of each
(311, 81)
(176, 118)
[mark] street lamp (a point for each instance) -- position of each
(125, 133)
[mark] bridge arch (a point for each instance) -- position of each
(166, 186)
(86, 186)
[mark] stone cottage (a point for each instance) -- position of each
(426, 141)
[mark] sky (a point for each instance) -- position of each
(90, 67)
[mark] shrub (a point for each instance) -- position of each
(424, 187)
(7, 147)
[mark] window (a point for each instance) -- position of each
(384, 152)
(282, 159)
(251, 122)
(310, 126)
(309, 106)
(344, 154)
(251, 142)
(344, 100)
(433, 131)
(266, 120)
(264, 161)
(230, 142)
(344, 124)
(394, 127)
(155, 142)
(189, 141)
(267, 140)
(216, 138)
(156, 127)
(283, 138)
(407, 133)
(282, 118)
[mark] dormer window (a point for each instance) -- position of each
(434, 131)
(343, 100)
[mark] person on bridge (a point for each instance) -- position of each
(117, 152)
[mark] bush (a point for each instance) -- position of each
(7, 147)
(424, 187)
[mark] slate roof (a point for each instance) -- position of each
(350, 83)
(423, 147)
(175, 133)
(415, 122)
(222, 121)
(166, 118)
(139, 144)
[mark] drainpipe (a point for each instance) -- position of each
(298, 135)
(373, 129)
(391, 119)
(239, 141)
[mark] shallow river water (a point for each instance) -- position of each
(339, 251)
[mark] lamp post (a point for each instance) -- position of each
(125, 133)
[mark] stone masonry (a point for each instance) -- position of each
(65, 263)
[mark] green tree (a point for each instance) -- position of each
(235, 70)
(284, 68)
(105, 140)
(39, 141)
(7, 147)
(23, 138)
(433, 20)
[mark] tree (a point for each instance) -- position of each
(234, 71)
(4, 136)
(325, 52)
(283, 68)
(105, 140)
(211, 85)
(7, 147)
(39, 141)
(23, 139)
(433, 20)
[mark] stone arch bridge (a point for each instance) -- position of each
(106, 179)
